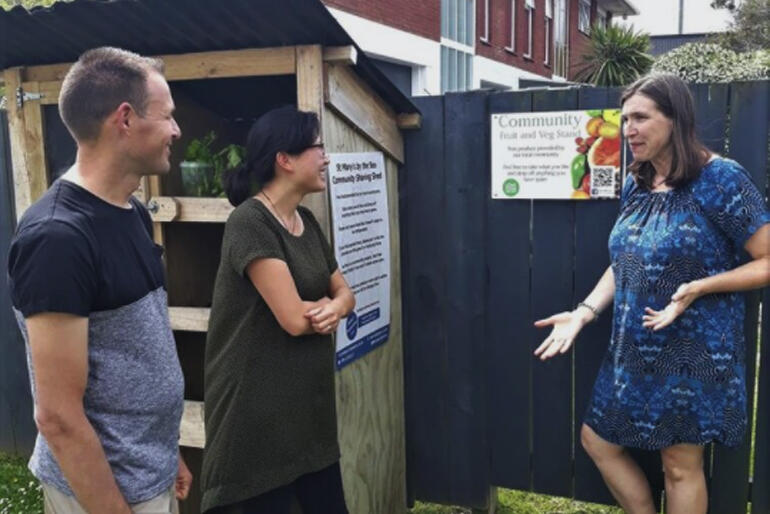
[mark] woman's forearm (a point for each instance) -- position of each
(344, 301)
(601, 296)
(752, 275)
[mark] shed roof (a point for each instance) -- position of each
(157, 27)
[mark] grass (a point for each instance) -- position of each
(20, 492)
(520, 502)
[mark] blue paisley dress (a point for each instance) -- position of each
(686, 382)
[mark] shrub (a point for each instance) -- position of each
(709, 62)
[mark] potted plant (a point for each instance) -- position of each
(203, 167)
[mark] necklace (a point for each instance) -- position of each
(660, 183)
(280, 219)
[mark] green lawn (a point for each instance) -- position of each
(20, 494)
(519, 502)
(19, 490)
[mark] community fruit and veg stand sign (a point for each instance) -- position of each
(556, 155)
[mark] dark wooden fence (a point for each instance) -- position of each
(17, 429)
(481, 411)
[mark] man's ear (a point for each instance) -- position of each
(124, 116)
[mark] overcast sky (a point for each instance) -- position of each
(662, 17)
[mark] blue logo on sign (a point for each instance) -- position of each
(351, 325)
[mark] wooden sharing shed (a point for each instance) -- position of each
(227, 63)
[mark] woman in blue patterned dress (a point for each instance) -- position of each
(673, 378)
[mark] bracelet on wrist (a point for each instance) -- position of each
(591, 308)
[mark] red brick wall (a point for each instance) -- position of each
(421, 17)
(578, 41)
(500, 35)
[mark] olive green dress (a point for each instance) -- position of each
(269, 396)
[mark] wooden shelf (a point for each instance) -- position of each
(190, 319)
(165, 209)
(191, 431)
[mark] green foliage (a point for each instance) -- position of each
(19, 490)
(709, 62)
(616, 56)
(749, 29)
(27, 4)
(522, 502)
(201, 150)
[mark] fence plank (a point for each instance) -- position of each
(17, 428)
(552, 291)
(509, 324)
(423, 281)
(593, 221)
(760, 498)
(748, 145)
(466, 159)
(710, 114)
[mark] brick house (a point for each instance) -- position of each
(434, 46)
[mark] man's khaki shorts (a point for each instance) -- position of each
(57, 502)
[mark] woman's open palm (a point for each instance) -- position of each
(566, 326)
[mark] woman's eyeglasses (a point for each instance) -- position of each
(320, 146)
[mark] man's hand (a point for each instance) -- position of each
(183, 480)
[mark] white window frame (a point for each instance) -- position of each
(529, 8)
(512, 46)
(584, 25)
(485, 37)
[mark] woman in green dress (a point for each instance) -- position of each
(271, 431)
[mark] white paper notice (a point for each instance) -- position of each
(556, 155)
(359, 205)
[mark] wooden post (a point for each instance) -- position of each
(27, 142)
(310, 93)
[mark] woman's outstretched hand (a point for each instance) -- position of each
(684, 296)
(566, 326)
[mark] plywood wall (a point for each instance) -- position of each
(370, 391)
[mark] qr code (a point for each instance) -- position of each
(605, 182)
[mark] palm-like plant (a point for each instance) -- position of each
(616, 56)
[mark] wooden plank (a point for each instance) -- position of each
(191, 431)
(409, 121)
(248, 62)
(355, 101)
(34, 133)
(190, 319)
(426, 370)
(552, 291)
(370, 390)
(17, 426)
(310, 84)
(509, 326)
(465, 191)
(22, 162)
(710, 108)
(190, 209)
(593, 221)
(749, 124)
(760, 495)
(344, 55)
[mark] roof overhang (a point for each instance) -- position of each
(618, 7)
(60, 33)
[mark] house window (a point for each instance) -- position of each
(560, 41)
(512, 43)
(485, 35)
(458, 34)
(457, 21)
(548, 31)
(529, 7)
(601, 18)
(584, 16)
(456, 70)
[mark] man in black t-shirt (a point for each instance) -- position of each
(88, 290)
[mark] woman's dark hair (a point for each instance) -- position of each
(285, 129)
(673, 99)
